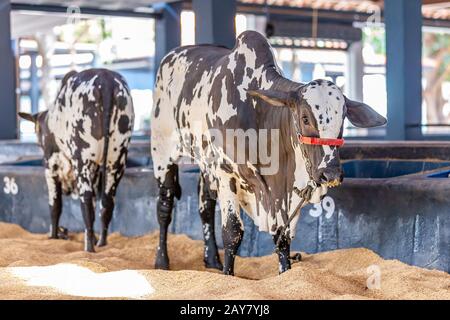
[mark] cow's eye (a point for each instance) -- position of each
(305, 120)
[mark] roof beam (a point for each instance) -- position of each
(427, 2)
(297, 13)
(84, 10)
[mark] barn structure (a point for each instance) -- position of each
(395, 196)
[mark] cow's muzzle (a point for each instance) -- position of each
(330, 177)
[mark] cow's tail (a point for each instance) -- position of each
(107, 99)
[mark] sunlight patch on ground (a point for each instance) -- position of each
(75, 280)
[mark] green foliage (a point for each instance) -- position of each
(105, 32)
(375, 37)
(87, 31)
(436, 44)
(433, 43)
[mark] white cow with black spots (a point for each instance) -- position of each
(204, 93)
(85, 136)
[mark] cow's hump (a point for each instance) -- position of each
(256, 42)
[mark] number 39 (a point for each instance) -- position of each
(10, 186)
(327, 205)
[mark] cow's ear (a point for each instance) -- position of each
(273, 97)
(28, 116)
(363, 116)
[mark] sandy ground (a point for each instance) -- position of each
(341, 274)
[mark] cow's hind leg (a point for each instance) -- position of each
(55, 202)
(88, 211)
(105, 217)
(85, 185)
(283, 248)
(113, 177)
(169, 188)
(207, 203)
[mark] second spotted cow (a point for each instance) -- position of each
(85, 136)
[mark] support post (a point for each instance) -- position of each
(34, 84)
(8, 106)
(215, 22)
(403, 19)
(354, 72)
(307, 71)
(167, 31)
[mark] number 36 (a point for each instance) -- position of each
(10, 186)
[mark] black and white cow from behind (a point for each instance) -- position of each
(85, 136)
(204, 92)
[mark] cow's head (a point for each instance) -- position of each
(40, 125)
(318, 111)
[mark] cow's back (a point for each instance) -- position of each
(183, 68)
(181, 99)
(181, 77)
(199, 88)
(78, 118)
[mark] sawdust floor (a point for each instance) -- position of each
(340, 274)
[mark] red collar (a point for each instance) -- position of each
(321, 141)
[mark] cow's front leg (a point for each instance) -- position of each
(168, 189)
(207, 214)
(164, 212)
(55, 202)
(232, 227)
(283, 248)
(88, 210)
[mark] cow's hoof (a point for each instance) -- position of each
(296, 257)
(89, 247)
(162, 262)
(89, 240)
(102, 242)
(63, 233)
(60, 233)
(228, 273)
(162, 265)
(213, 264)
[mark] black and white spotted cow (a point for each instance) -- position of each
(205, 92)
(85, 136)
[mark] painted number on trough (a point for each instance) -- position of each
(10, 186)
(326, 205)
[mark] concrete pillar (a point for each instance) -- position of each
(296, 73)
(307, 71)
(34, 84)
(8, 107)
(167, 31)
(47, 84)
(215, 22)
(403, 20)
(354, 72)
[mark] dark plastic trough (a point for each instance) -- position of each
(376, 169)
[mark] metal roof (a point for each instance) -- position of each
(432, 9)
(98, 4)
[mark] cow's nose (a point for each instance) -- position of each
(331, 175)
